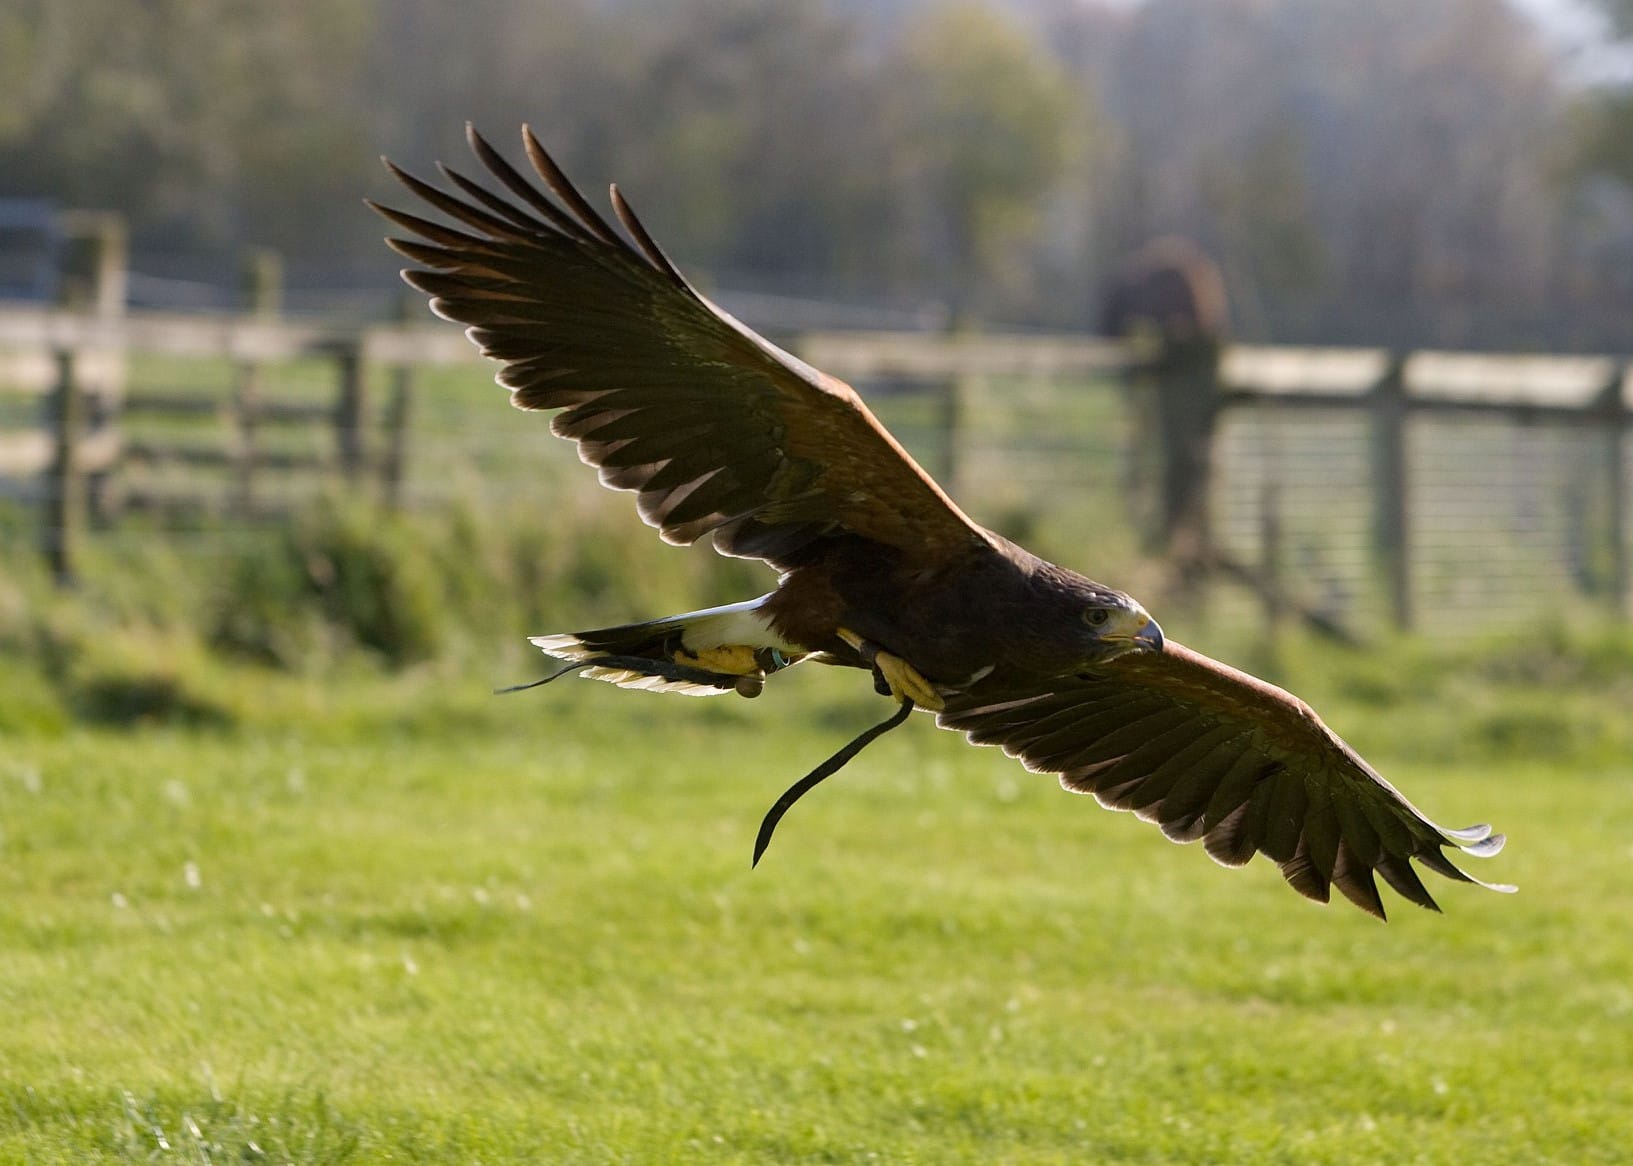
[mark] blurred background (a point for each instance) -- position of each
(1308, 322)
(1452, 173)
(1279, 312)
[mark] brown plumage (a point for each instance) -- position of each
(722, 435)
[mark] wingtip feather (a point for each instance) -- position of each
(1485, 848)
(558, 182)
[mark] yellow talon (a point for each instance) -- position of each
(905, 681)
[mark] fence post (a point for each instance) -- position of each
(260, 282)
(954, 396)
(1270, 561)
(246, 400)
(399, 410)
(94, 278)
(1188, 401)
(1391, 487)
(1613, 403)
(398, 415)
(350, 407)
(95, 262)
(64, 485)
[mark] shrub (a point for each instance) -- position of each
(341, 574)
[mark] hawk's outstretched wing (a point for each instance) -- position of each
(1210, 753)
(717, 430)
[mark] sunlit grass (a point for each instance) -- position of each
(336, 912)
(395, 917)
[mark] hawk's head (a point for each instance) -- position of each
(1115, 624)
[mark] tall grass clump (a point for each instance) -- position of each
(443, 584)
(118, 647)
(157, 614)
(340, 576)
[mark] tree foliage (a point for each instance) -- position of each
(985, 121)
(1389, 171)
(1606, 123)
(193, 117)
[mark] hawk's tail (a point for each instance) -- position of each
(700, 653)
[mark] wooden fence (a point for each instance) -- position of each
(76, 364)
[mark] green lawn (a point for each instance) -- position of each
(398, 919)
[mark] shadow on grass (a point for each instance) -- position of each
(129, 700)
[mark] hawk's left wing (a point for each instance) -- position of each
(1208, 752)
(718, 432)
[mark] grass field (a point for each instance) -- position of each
(341, 905)
(366, 917)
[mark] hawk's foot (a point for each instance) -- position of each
(732, 659)
(901, 679)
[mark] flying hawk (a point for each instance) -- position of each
(723, 436)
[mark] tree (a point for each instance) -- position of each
(199, 119)
(1606, 117)
(1411, 139)
(986, 127)
(744, 133)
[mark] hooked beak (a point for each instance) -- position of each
(1131, 630)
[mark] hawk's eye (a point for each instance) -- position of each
(1096, 616)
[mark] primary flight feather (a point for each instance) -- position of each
(722, 435)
